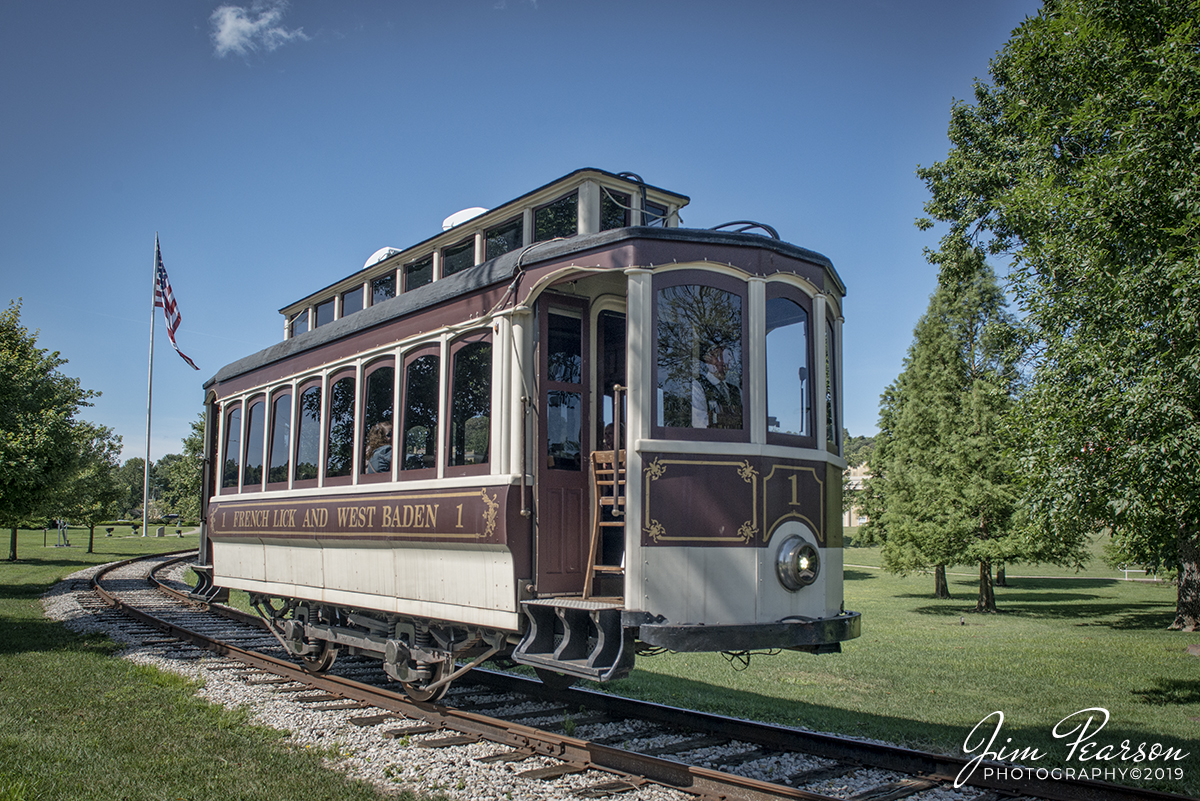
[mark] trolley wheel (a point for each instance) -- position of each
(418, 692)
(554, 681)
(322, 661)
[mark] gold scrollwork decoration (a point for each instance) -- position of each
(748, 531)
(747, 472)
(493, 508)
(655, 470)
(656, 530)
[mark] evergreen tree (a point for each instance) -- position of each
(1082, 162)
(942, 490)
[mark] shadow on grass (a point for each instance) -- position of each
(900, 730)
(850, 574)
(1170, 691)
(23, 636)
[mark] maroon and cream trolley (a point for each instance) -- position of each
(559, 432)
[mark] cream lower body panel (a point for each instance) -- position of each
(715, 586)
(474, 584)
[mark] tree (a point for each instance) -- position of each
(93, 490)
(942, 490)
(180, 474)
(1082, 162)
(132, 478)
(38, 404)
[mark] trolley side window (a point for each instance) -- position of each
(233, 447)
(503, 238)
(789, 385)
(339, 444)
(325, 313)
(832, 429)
(377, 419)
(700, 347)
(352, 301)
(418, 274)
(419, 436)
(280, 449)
(308, 435)
(459, 257)
(470, 405)
(559, 218)
(383, 288)
(614, 209)
(252, 472)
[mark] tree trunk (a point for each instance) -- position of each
(987, 597)
(91, 536)
(12, 546)
(1001, 578)
(1187, 604)
(940, 588)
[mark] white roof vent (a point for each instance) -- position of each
(380, 255)
(460, 217)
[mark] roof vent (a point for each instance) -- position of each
(460, 217)
(380, 255)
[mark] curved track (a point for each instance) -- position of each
(632, 743)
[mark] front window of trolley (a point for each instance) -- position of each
(701, 347)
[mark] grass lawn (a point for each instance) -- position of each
(925, 671)
(77, 724)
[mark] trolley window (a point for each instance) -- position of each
(503, 238)
(383, 288)
(418, 274)
(654, 214)
(378, 396)
(252, 471)
(308, 436)
(233, 447)
(352, 301)
(279, 452)
(559, 218)
(419, 435)
(470, 406)
(300, 323)
(564, 400)
(457, 258)
(789, 381)
(614, 210)
(325, 313)
(700, 336)
(339, 442)
(832, 429)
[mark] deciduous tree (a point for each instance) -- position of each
(1082, 161)
(38, 448)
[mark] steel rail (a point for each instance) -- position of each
(629, 764)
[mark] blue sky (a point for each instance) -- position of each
(274, 147)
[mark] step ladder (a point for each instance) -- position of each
(608, 490)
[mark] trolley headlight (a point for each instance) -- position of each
(797, 563)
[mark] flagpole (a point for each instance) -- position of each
(149, 392)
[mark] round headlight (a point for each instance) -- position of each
(797, 563)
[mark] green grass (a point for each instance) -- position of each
(925, 671)
(77, 724)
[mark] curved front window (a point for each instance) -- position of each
(700, 358)
(789, 384)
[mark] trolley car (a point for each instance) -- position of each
(560, 432)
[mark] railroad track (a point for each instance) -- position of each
(590, 743)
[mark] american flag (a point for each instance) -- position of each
(164, 298)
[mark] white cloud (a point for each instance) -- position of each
(242, 29)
